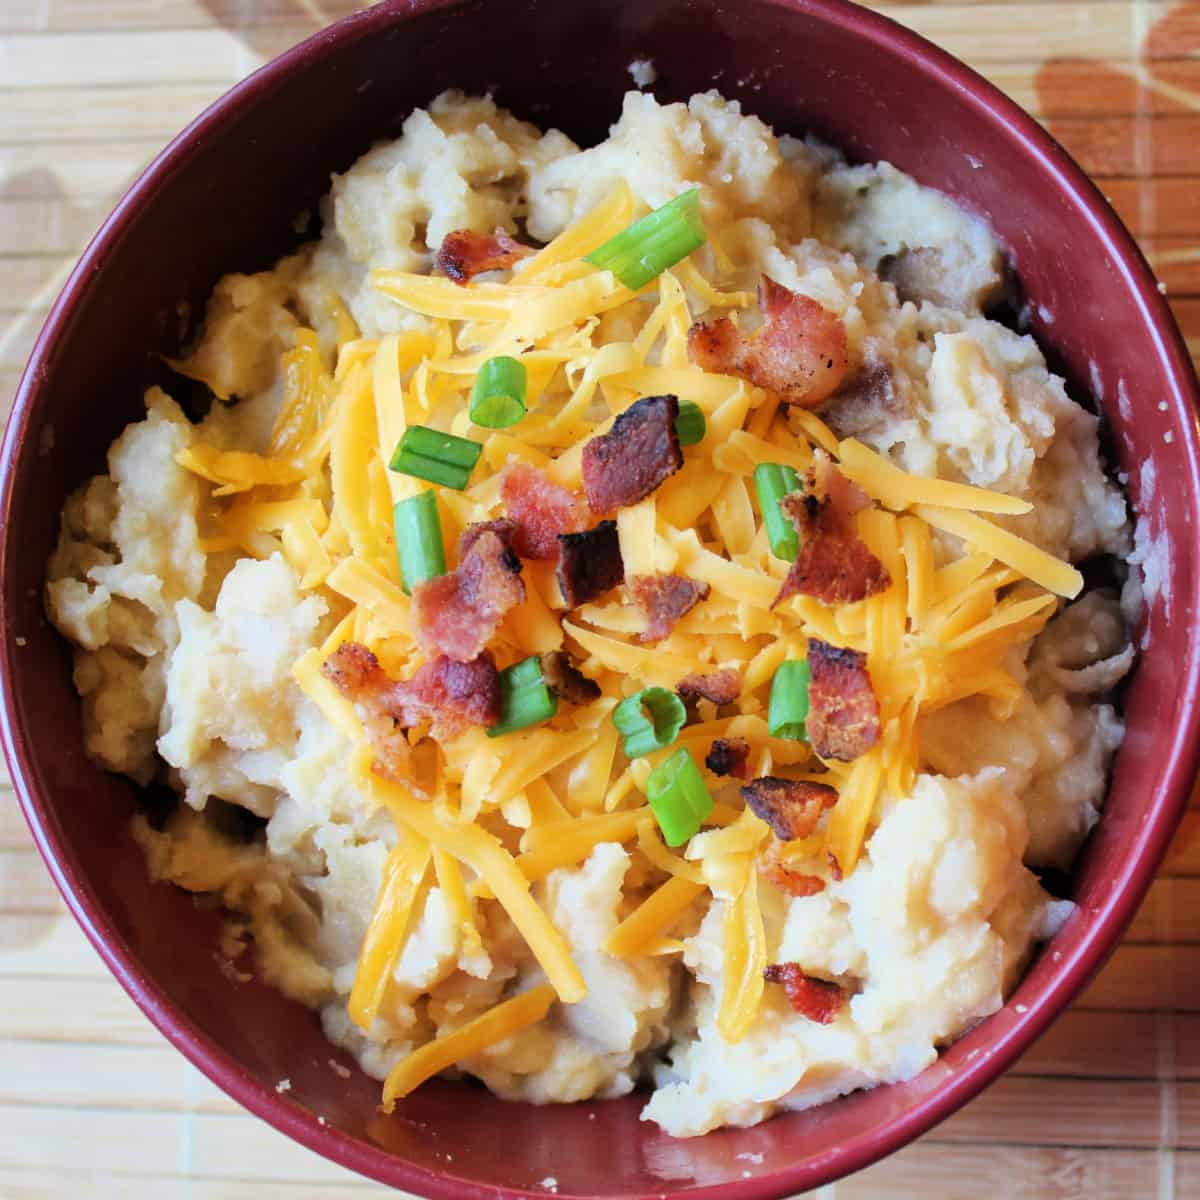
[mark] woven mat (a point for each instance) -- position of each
(93, 1101)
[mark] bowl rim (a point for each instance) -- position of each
(1070, 975)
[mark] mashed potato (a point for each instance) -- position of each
(185, 646)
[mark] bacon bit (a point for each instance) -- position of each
(843, 713)
(729, 756)
(834, 564)
(589, 563)
(843, 497)
(800, 353)
(786, 878)
(791, 807)
(457, 614)
(464, 254)
(628, 462)
(834, 868)
(793, 883)
(816, 999)
(834, 570)
(721, 687)
(868, 403)
(541, 510)
(502, 527)
(452, 694)
(566, 680)
(664, 599)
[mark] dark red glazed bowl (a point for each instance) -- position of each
(225, 195)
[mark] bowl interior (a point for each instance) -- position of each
(216, 202)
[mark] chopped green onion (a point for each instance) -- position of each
(524, 698)
(678, 797)
(773, 481)
(419, 539)
(789, 701)
(649, 720)
(498, 397)
(659, 240)
(690, 425)
(438, 457)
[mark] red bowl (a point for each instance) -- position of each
(224, 196)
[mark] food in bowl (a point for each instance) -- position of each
(608, 627)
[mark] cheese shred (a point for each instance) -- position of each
(745, 945)
(404, 876)
(503, 1021)
(657, 913)
(480, 851)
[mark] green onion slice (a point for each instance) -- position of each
(419, 539)
(437, 457)
(498, 397)
(649, 720)
(659, 240)
(524, 698)
(690, 425)
(678, 797)
(788, 710)
(773, 481)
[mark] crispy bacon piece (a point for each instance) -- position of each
(843, 713)
(452, 694)
(729, 756)
(628, 462)
(457, 614)
(721, 687)
(464, 253)
(791, 807)
(834, 570)
(566, 680)
(816, 999)
(782, 875)
(868, 403)
(504, 528)
(541, 510)
(842, 497)
(589, 563)
(800, 352)
(834, 564)
(796, 884)
(664, 599)
(774, 864)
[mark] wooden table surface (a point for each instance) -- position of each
(92, 1099)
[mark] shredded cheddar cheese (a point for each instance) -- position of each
(480, 851)
(321, 495)
(899, 490)
(403, 880)
(658, 912)
(450, 880)
(745, 960)
(1024, 557)
(486, 1030)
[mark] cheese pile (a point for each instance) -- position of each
(512, 809)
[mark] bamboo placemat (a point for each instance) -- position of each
(92, 1099)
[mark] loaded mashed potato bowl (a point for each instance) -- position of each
(616, 625)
